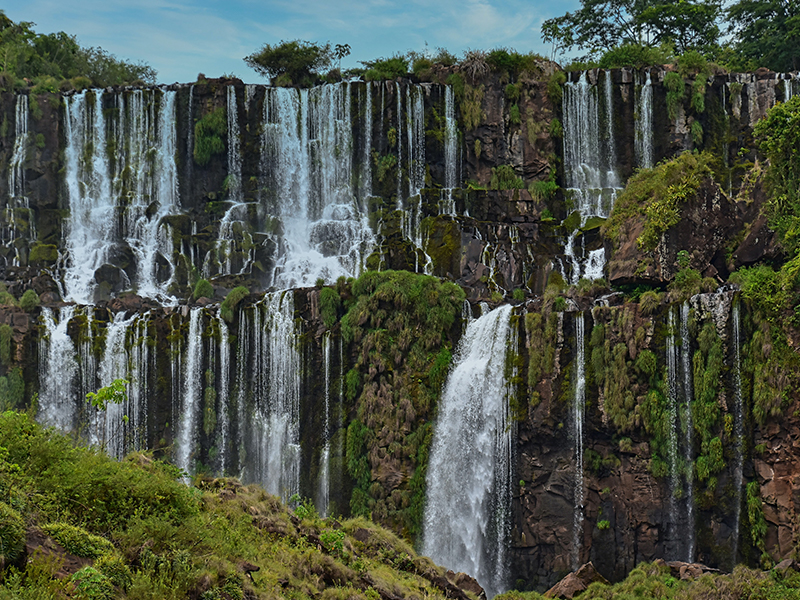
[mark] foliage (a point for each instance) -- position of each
(296, 62)
(232, 300)
(171, 541)
(12, 535)
(329, 304)
(676, 90)
(78, 541)
(208, 132)
(540, 334)
(386, 68)
(656, 196)
(29, 300)
(508, 60)
(401, 324)
(600, 25)
(755, 516)
(46, 59)
(766, 33)
(505, 178)
(6, 336)
(544, 189)
(708, 363)
(555, 89)
(471, 108)
(202, 289)
(778, 135)
(636, 55)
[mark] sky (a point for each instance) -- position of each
(181, 38)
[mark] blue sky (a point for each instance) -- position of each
(182, 38)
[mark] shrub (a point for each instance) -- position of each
(297, 61)
(29, 301)
(113, 567)
(386, 68)
(329, 303)
(78, 541)
(512, 62)
(6, 334)
(635, 55)
(208, 133)
(504, 178)
(649, 302)
(91, 584)
(676, 89)
(203, 289)
(555, 89)
(12, 535)
(232, 300)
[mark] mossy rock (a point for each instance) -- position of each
(12, 536)
(43, 254)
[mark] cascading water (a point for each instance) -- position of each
(58, 371)
(137, 179)
(738, 427)
(323, 494)
(644, 125)
(578, 410)
(688, 393)
(185, 443)
(16, 179)
(110, 429)
(681, 468)
(590, 167)
(223, 391)
(469, 473)
(274, 425)
(307, 150)
(446, 204)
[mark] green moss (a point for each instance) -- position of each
(505, 178)
(6, 335)
(329, 304)
(232, 300)
(471, 109)
(78, 541)
(43, 254)
(208, 132)
(555, 89)
(513, 115)
(202, 289)
(29, 301)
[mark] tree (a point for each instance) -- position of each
(600, 25)
(340, 51)
(767, 33)
(114, 393)
(296, 62)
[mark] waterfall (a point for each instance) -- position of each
(87, 361)
(644, 125)
(140, 360)
(788, 92)
(223, 391)
(125, 166)
(307, 149)
(589, 166)
(688, 393)
(323, 495)
(672, 400)
(680, 389)
(446, 205)
(114, 365)
(738, 426)
(366, 155)
(192, 375)
(578, 409)
(275, 422)
(16, 180)
(58, 371)
(234, 179)
(466, 524)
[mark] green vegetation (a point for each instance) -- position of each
(6, 338)
(232, 300)
(55, 61)
(401, 324)
(636, 55)
(386, 68)
(202, 289)
(329, 304)
(296, 62)
(655, 580)
(656, 196)
(29, 301)
(767, 34)
(208, 132)
(150, 536)
(504, 178)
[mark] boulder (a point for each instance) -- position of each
(576, 582)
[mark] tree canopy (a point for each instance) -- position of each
(50, 58)
(295, 62)
(600, 25)
(767, 33)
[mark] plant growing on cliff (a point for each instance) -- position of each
(386, 68)
(505, 178)
(202, 289)
(231, 302)
(297, 62)
(329, 304)
(208, 132)
(29, 301)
